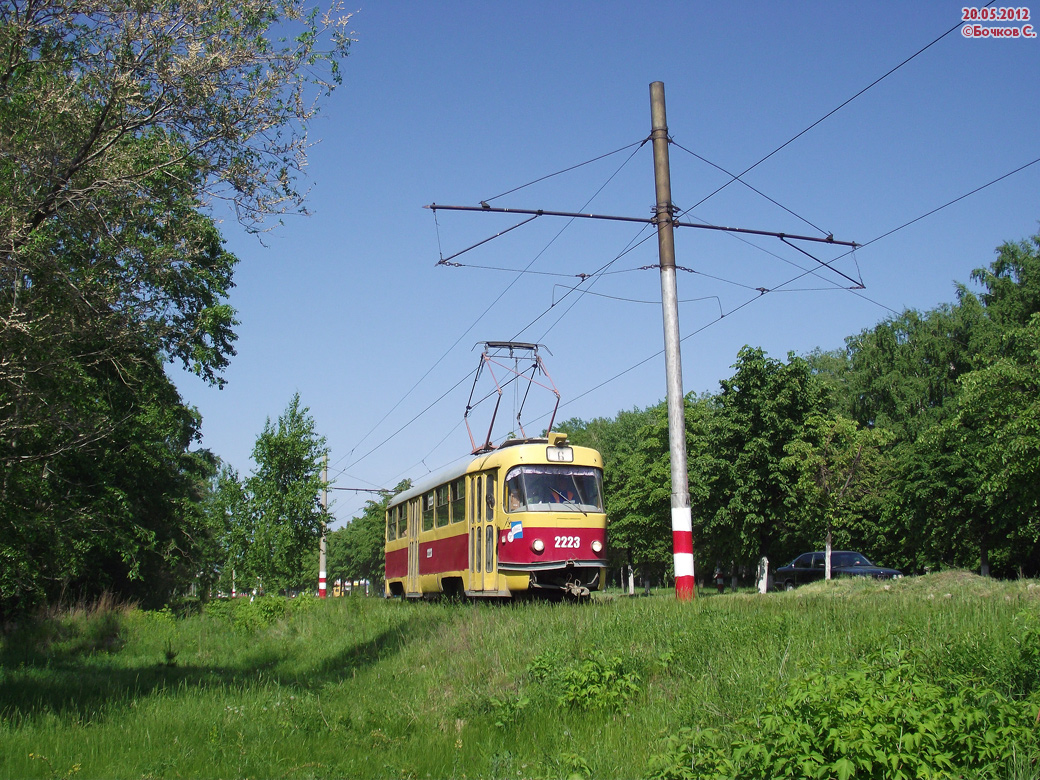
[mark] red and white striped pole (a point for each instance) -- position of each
(682, 546)
(682, 525)
(322, 585)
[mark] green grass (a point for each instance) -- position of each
(620, 687)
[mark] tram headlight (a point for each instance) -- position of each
(538, 546)
(597, 546)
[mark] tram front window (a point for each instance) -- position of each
(554, 489)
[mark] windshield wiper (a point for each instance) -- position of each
(566, 501)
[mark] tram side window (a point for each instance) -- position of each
(391, 525)
(402, 521)
(458, 500)
(515, 494)
(442, 506)
(427, 511)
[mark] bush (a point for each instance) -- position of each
(259, 613)
(886, 720)
(596, 683)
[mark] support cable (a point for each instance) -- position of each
(940, 208)
(640, 144)
(855, 291)
(830, 113)
(735, 177)
(483, 314)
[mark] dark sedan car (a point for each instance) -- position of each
(809, 567)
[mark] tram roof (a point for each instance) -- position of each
(464, 466)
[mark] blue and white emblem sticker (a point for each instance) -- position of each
(516, 530)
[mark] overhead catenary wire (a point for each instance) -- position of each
(736, 177)
(857, 292)
(830, 113)
(490, 306)
(638, 301)
(695, 332)
(945, 205)
(572, 215)
(762, 160)
(566, 170)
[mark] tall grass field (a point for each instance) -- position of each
(936, 676)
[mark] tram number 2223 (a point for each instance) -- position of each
(568, 542)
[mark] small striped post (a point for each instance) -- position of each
(322, 585)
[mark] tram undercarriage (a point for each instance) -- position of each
(575, 582)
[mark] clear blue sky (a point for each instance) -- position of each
(457, 102)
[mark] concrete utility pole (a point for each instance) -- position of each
(682, 522)
(322, 582)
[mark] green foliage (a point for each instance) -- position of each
(637, 485)
(356, 687)
(998, 421)
(598, 683)
(123, 514)
(258, 613)
(121, 122)
(837, 471)
(762, 409)
(508, 710)
(918, 444)
(887, 719)
(274, 519)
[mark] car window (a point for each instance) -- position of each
(850, 559)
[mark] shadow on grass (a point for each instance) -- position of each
(89, 687)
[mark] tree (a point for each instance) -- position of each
(121, 121)
(608, 435)
(762, 408)
(228, 510)
(121, 124)
(953, 388)
(903, 378)
(282, 513)
(125, 516)
(998, 420)
(1012, 283)
(838, 471)
(903, 373)
(637, 486)
(205, 82)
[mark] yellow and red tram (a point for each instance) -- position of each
(525, 518)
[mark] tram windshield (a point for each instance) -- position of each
(549, 488)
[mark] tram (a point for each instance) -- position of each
(525, 518)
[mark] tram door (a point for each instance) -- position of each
(412, 508)
(483, 547)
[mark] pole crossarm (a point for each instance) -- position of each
(830, 239)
